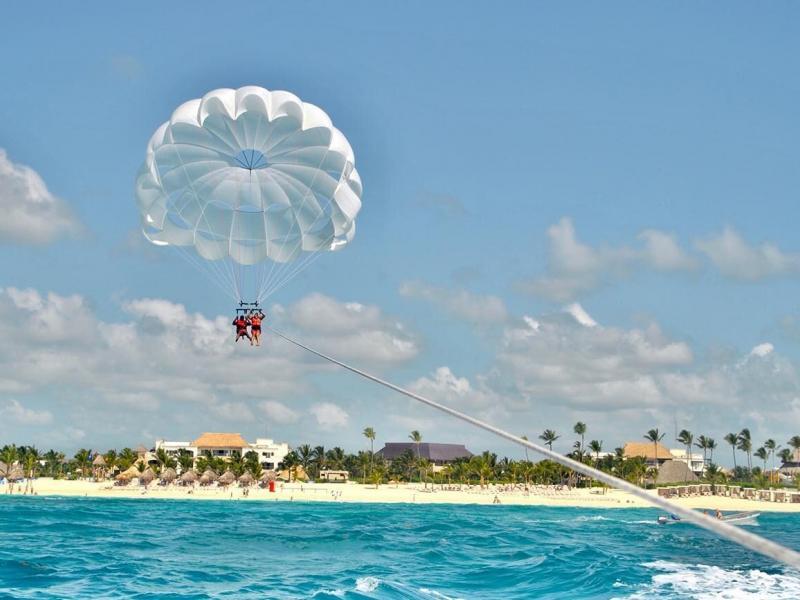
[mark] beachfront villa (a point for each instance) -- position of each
(270, 453)
(654, 454)
(439, 455)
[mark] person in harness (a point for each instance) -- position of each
(255, 326)
(241, 322)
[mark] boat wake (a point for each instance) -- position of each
(675, 581)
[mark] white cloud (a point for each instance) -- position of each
(762, 349)
(465, 305)
(575, 267)
(580, 315)
(351, 330)
(737, 259)
(278, 412)
(16, 413)
(329, 416)
(171, 370)
(31, 214)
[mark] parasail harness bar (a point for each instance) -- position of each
(726, 530)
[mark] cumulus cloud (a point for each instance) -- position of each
(278, 412)
(465, 305)
(737, 259)
(17, 413)
(32, 215)
(175, 370)
(351, 330)
(329, 416)
(575, 267)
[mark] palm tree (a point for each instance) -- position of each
(548, 437)
(711, 445)
(82, 459)
(369, 433)
(481, 467)
(126, 458)
(763, 455)
(54, 462)
(306, 455)
(580, 429)
(597, 448)
(8, 456)
(111, 461)
(654, 436)
(185, 460)
(686, 438)
(795, 443)
(746, 445)
(416, 437)
(31, 462)
(236, 463)
(702, 443)
(771, 447)
(733, 440)
(290, 462)
(785, 455)
(319, 460)
(335, 458)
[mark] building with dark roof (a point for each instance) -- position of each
(438, 454)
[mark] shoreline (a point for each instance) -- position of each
(354, 493)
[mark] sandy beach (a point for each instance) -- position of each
(390, 493)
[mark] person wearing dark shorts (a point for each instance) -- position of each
(241, 323)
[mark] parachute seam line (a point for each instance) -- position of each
(211, 265)
(262, 294)
(195, 195)
(306, 261)
(726, 530)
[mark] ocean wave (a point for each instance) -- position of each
(706, 582)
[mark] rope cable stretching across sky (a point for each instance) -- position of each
(726, 530)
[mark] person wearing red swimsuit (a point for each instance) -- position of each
(255, 327)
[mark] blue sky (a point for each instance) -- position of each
(476, 132)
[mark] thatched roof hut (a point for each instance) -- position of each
(99, 461)
(211, 474)
(169, 475)
(227, 478)
(147, 476)
(246, 480)
(189, 477)
(674, 471)
(267, 476)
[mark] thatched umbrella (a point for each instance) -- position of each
(169, 475)
(99, 461)
(208, 477)
(188, 477)
(227, 478)
(16, 473)
(246, 480)
(147, 476)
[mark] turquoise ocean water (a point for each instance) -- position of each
(96, 548)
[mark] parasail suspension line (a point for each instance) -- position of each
(730, 532)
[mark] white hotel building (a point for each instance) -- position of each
(270, 453)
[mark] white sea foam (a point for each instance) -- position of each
(367, 584)
(435, 594)
(704, 582)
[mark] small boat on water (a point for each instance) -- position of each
(739, 518)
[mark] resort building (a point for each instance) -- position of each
(694, 461)
(270, 453)
(654, 454)
(439, 455)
